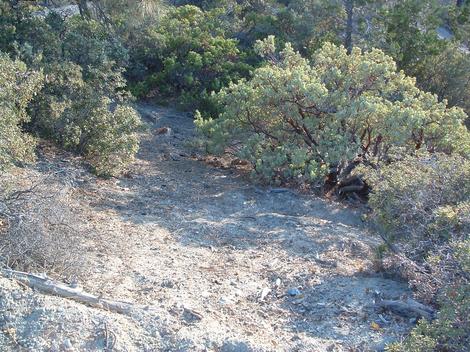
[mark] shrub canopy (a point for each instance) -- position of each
(300, 118)
(17, 88)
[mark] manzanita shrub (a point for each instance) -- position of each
(303, 119)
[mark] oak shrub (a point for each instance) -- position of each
(82, 104)
(18, 85)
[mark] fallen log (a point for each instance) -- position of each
(47, 285)
(355, 179)
(351, 188)
(407, 309)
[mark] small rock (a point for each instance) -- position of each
(190, 316)
(167, 284)
(278, 282)
(67, 344)
(225, 300)
(293, 292)
(229, 346)
(264, 292)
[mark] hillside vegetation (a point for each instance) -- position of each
(364, 103)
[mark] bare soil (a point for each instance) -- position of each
(222, 264)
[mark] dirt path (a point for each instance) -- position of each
(217, 256)
(226, 265)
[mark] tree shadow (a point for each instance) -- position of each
(204, 206)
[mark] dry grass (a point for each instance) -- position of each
(40, 232)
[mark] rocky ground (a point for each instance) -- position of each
(212, 262)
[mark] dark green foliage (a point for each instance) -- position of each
(17, 87)
(83, 105)
(186, 55)
(410, 35)
(89, 44)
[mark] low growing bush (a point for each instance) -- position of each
(83, 104)
(79, 116)
(39, 231)
(449, 332)
(18, 85)
(422, 206)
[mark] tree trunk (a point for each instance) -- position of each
(349, 6)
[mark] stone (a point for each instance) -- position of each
(293, 292)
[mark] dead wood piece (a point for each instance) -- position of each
(351, 188)
(355, 179)
(47, 285)
(408, 309)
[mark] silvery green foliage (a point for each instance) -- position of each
(300, 118)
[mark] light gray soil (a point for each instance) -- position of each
(215, 258)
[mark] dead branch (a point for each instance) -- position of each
(355, 179)
(47, 285)
(408, 309)
(351, 188)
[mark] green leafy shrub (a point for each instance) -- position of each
(448, 75)
(17, 88)
(106, 137)
(300, 119)
(404, 37)
(79, 116)
(83, 104)
(90, 44)
(185, 55)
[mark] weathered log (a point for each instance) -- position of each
(355, 179)
(351, 188)
(408, 309)
(47, 285)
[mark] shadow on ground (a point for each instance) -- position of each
(228, 240)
